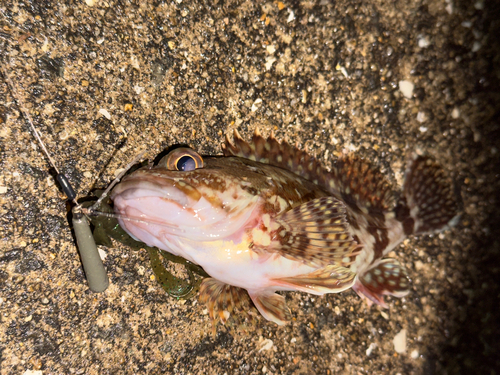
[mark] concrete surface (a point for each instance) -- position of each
(106, 79)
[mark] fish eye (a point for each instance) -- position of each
(182, 159)
(185, 163)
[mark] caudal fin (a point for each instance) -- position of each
(428, 203)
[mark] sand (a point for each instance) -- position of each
(105, 80)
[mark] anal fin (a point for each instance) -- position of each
(272, 306)
(387, 278)
(330, 279)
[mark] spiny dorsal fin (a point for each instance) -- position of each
(316, 233)
(352, 179)
(270, 151)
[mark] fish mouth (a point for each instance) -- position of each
(156, 206)
(142, 185)
(155, 199)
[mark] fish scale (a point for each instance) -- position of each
(268, 217)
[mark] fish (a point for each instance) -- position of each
(267, 217)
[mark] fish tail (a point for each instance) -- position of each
(428, 203)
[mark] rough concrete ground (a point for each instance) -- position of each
(105, 79)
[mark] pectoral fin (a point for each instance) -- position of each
(316, 233)
(387, 278)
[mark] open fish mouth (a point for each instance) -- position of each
(161, 205)
(155, 193)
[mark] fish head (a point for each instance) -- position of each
(186, 198)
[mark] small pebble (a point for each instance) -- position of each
(370, 349)
(406, 87)
(105, 113)
(269, 62)
(421, 117)
(102, 254)
(400, 342)
(256, 104)
(424, 42)
(267, 344)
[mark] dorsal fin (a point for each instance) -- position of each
(355, 181)
(279, 154)
(361, 185)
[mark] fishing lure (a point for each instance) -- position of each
(91, 261)
(106, 228)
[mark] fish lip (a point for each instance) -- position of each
(148, 183)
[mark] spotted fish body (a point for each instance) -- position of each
(267, 217)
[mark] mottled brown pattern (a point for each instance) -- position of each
(429, 189)
(355, 181)
(279, 154)
(220, 297)
(201, 66)
(316, 233)
(381, 241)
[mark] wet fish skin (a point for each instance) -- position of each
(268, 217)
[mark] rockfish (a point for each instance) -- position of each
(267, 217)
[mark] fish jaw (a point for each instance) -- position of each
(165, 211)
